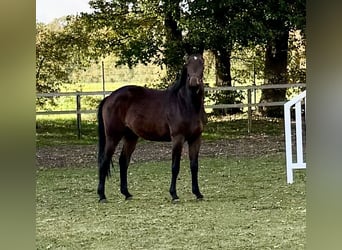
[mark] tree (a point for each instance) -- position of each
(280, 17)
(61, 47)
(221, 26)
(162, 32)
(51, 72)
(174, 47)
(227, 25)
(138, 32)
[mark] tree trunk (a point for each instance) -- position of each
(223, 67)
(275, 73)
(174, 52)
(224, 78)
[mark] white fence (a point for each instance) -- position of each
(251, 102)
(291, 165)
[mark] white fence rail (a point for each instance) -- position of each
(291, 165)
(251, 102)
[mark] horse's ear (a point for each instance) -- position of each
(201, 48)
(188, 52)
(187, 48)
(191, 49)
(198, 48)
(185, 58)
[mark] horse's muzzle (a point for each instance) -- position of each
(195, 81)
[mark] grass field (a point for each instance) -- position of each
(247, 205)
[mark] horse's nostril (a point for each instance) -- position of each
(195, 81)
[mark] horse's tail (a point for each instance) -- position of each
(101, 133)
(102, 137)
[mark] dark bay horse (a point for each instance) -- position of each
(175, 114)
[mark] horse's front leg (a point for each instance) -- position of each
(194, 147)
(177, 146)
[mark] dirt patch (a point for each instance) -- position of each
(80, 156)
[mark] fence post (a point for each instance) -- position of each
(249, 98)
(103, 79)
(78, 110)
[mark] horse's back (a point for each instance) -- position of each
(140, 109)
(137, 98)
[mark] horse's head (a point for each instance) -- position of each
(194, 68)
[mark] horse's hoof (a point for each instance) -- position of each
(175, 200)
(200, 198)
(103, 201)
(128, 198)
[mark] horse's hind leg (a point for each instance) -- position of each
(104, 166)
(130, 142)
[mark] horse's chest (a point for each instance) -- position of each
(193, 128)
(185, 122)
(197, 127)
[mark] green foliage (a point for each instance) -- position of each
(51, 71)
(248, 65)
(138, 32)
(280, 17)
(132, 31)
(218, 24)
(61, 47)
(247, 205)
(296, 58)
(119, 75)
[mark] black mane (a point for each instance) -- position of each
(180, 82)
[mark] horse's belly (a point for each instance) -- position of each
(150, 129)
(155, 137)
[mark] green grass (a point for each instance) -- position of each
(237, 128)
(247, 205)
(97, 86)
(64, 131)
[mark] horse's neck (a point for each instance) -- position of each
(193, 99)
